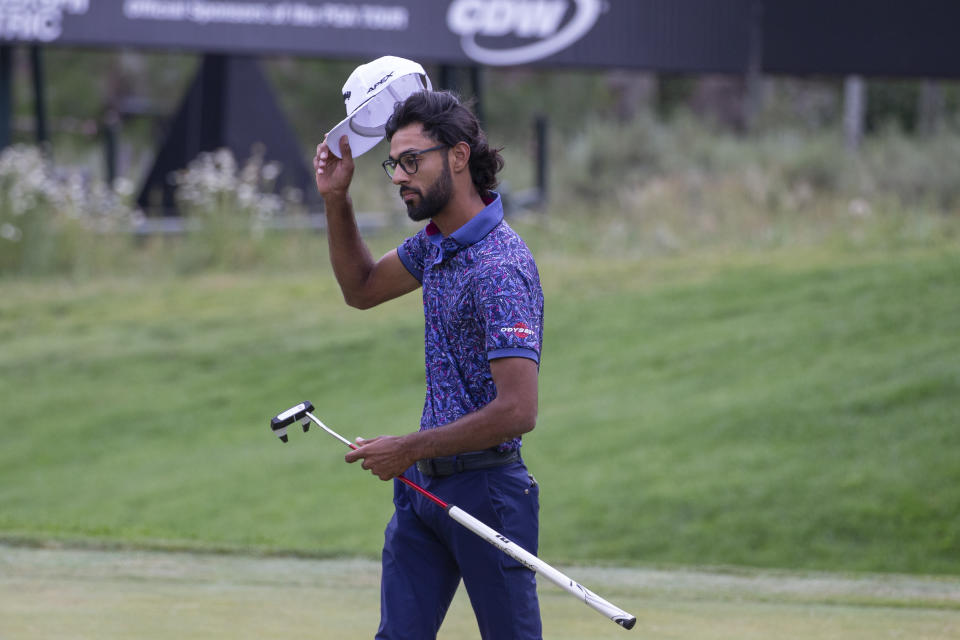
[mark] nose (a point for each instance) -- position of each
(400, 176)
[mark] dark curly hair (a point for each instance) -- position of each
(448, 121)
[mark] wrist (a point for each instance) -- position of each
(337, 201)
(416, 445)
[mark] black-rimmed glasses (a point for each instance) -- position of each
(409, 161)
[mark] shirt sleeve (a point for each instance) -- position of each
(510, 305)
(412, 253)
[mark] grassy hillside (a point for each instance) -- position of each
(786, 408)
(794, 411)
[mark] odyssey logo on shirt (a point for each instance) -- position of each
(520, 329)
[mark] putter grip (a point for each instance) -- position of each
(535, 564)
(291, 415)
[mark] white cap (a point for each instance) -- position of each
(370, 94)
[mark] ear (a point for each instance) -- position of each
(461, 157)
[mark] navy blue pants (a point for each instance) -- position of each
(426, 553)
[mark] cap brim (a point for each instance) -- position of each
(364, 127)
(360, 143)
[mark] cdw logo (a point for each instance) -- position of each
(541, 19)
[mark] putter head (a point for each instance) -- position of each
(280, 422)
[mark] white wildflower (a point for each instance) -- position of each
(271, 171)
(10, 232)
(859, 208)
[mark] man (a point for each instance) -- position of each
(483, 309)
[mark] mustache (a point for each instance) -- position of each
(405, 190)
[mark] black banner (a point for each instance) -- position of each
(871, 37)
(704, 35)
(866, 37)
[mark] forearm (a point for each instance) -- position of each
(351, 259)
(511, 413)
(494, 424)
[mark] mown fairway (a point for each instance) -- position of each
(51, 594)
(794, 408)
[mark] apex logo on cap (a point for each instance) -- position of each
(370, 94)
(380, 82)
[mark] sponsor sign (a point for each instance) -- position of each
(790, 36)
(37, 20)
(327, 15)
(544, 27)
(654, 34)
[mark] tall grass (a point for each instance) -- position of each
(648, 186)
(645, 186)
(56, 221)
(49, 218)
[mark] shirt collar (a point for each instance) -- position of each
(476, 229)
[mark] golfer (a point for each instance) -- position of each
(483, 329)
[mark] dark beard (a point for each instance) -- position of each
(436, 198)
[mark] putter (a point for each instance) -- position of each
(304, 411)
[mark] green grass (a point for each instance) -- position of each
(55, 593)
(794, 413)
(793, 407)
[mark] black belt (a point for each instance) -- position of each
(466, 462)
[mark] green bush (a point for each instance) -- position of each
(604, 155)
(917, 169)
